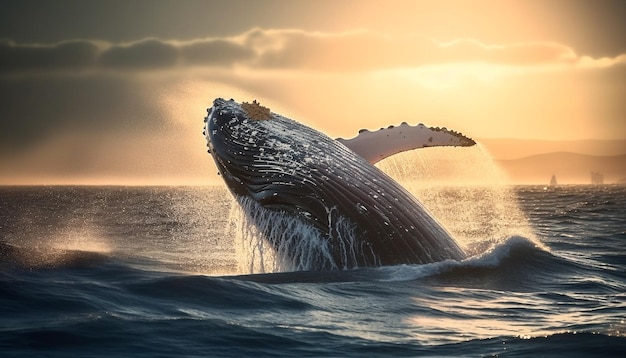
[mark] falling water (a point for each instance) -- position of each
(299, 247)
(252, 252)
(465, 190)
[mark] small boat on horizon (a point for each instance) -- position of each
(553, 180)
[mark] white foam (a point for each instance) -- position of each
(490, 259)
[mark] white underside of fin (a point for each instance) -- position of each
(378, 145)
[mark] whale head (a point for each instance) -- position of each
(229, 140)
(253, 148)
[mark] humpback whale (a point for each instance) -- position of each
(282, 172)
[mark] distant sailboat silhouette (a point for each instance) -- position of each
(553, 180)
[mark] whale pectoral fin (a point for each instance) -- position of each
(378, 145)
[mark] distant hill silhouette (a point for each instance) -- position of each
(505, 149)
(569, 168)
(535, 161)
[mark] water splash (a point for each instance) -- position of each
(68, 247)
(299, 246)
(80, 238)
(465, 190)
(250, 248)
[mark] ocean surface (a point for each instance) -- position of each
(159, 271)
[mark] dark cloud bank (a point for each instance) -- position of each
(146, 54)
(282, 49)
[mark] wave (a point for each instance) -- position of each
(214, 292)
(514, 256)
(508, 255)
(405, 310)
(515, 263)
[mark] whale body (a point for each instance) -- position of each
(281, 171)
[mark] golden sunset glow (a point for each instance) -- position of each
(87, 104)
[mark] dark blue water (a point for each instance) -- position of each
(115, 271)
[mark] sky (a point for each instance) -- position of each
(114, 92)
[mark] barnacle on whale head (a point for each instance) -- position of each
(255, 111)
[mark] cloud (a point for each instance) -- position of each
(215, 52)
(525, 53)
(69, 55)
(354, 51)
(262, 49)
(146, 54)
(360, 50)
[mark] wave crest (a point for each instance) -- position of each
(508, 253)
